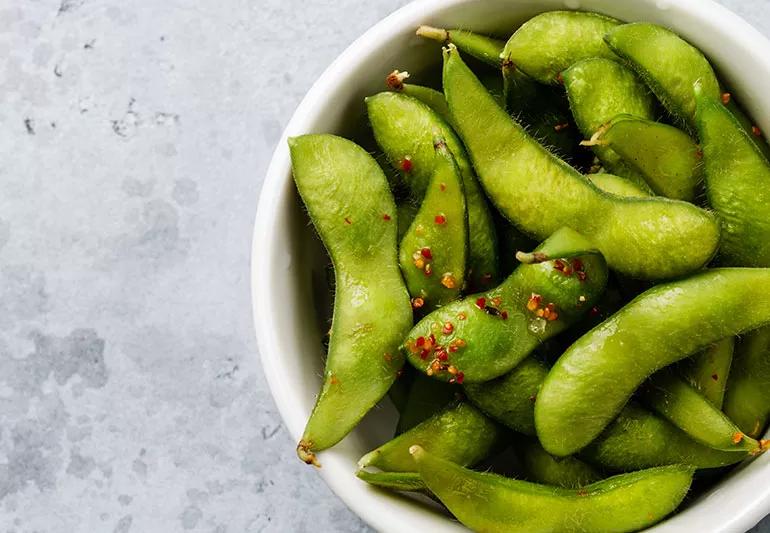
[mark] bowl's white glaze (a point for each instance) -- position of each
(287, 262)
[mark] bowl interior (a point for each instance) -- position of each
(289, 288)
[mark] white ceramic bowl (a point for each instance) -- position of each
(288, 263)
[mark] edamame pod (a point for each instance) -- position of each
(484, 48)
(483, 336)
(708, 371)
(547, 44)
(425, 398)
(349, 202)
(595, 377)
(617, 185)
(541, 467)
(747, 400)
(599, 89)
(492, 503)
(510, 399)
(668, 64)
(737, 183)
(432, 254)
(401, 481)
(675, 400)
(405, 129)
(430, 97)
(666, 157)
(638, 439)
(646, 238)
(459, 433)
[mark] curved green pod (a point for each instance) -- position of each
(599, 89)
(646, 238)
(510, 399)
(618, 186)
(460, 433)
(401, 481)
(737, 183)
(668, 64)
(638, 439)
(747, 399)
(678, 402)
(484, 335)
(349, 202)
(541, 467)
(485, 49)
(666, 157)
(428, 96)
(547, 44)
(492, 503)
(596, 376)
(425, 398)
(708, 371)
(432, 254)
(405, 129)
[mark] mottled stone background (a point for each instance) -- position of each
(134, 139)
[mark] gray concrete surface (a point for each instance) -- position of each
(134, 139)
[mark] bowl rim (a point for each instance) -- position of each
(306, 113)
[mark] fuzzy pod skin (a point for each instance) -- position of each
(668, 64)
(678, 402)
(400, 481)
(428, 96)
(638, 439)
(492, 503)
(665, 156)
(708, 371)
(595, 377)
(349, 202)
(510, 399)
(599, 89)
(405, 129)
(541, 467)
(433, 253)
(547, 44)
(460, 433)
(619, 186)
(484, 335)
(737, 183)
(654, 238)
(747, 399)
(425, 398)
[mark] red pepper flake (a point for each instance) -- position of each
(411, 346)
(452, 370)
(442, 355)
(481, 303)
(442, 186)
(428, 269)
(406, 164)
(715, 377)
(594, 311)
(737, 437)
(439, 219)
(432, 339)
(448, 281)
(496, 301)
(559, 265)
(756, 131)
(726, 98)
(385, 217)
(461, 315)
(417, 302)
(448, 328)
(561, 127)
(460, 343)
(567, 271)
(425, 252)
(534, 302)
(460, 378)
(334, 380)
(420, 342)
(581, 276)
(504, 315)
(348, 221)
(577, 264)
(419, 263)
(699, 154)
(424, 354)
(453, 348)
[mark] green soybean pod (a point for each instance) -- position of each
(708, 371)
(675, 400)
(510, 399)
(667, 63)
(737, 183)
(747, 399)
(430, 97)
(599, 89)
(484, 48)
(350, 204)
(644, 238)
(665, 156)
(595, 377)
(541, 467)
(618, 186)
(432, 254)
(492, 503)
(405, 129)
(424, 399)
(484, 335)
(638, 439)
(548, 43)
(400, 481)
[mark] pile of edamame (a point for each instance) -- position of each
(561, 279)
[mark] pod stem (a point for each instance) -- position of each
(305, 455)
(596, 138)
(437, 34)
(395, 80)
(529, 258)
